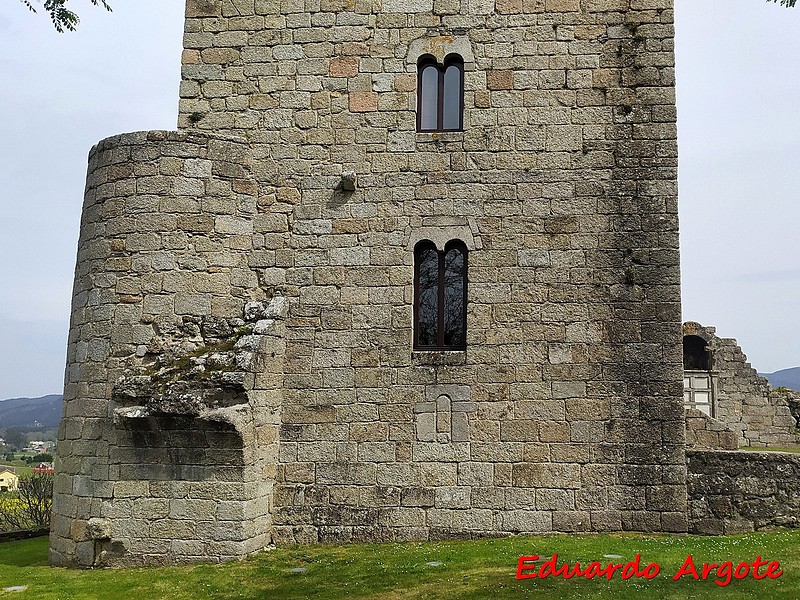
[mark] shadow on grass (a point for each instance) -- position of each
(24, 553)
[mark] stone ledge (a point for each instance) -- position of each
(433, 137)
(438, 357)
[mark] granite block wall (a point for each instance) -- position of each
(738, 492)
(564, 412)
(707, 433)
(168, 442)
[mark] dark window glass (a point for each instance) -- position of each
(427, 295)
(440, 94)
(454, 264)
(440, 296)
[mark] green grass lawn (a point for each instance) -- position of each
(770, 449)
(470, 570)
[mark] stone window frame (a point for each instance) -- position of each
(441, 46)
(428, 61)
(453, 244)
(699, 347)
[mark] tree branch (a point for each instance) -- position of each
(62, 18)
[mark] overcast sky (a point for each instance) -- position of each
(738, 115)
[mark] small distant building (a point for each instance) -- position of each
(9, 480)
(44, 467)
(41, 447)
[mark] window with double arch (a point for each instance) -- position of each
(440, 94)
(440, 296)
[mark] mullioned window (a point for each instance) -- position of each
(440, 94)
(440, 296)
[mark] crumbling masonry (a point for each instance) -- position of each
(741, 409)
(242, 362)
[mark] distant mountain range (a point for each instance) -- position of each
(31, 412)
(789, 378)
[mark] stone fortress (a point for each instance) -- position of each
(407, 270)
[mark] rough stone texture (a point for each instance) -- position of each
(744, 402)
(563, 414)
(707, 433)
(792, 399)
(737, 492)
(169, 433)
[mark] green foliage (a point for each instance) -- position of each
(30, 506)
(785, 390)
(39, 458)
(769, 449)
(62, 18)
(786, 3)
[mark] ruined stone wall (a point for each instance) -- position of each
(167, 446)
(564, 411)
(744, 401)
(737, 492)
(707, 433)
(791, 398)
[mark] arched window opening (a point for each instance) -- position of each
(427, 286)
(440, 296)
(698, 381)
(695, 354)
(440, 94)
(429, 97)
(454, 300)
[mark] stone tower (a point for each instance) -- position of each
(408, 269)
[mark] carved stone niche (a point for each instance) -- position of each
(443, 416)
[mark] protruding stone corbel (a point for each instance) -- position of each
(130, 412)
(347, 182)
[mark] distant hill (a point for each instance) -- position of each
(31, 412)
(789, 378)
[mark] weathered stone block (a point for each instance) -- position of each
(363, 101)
(527, 521)
(545, 475)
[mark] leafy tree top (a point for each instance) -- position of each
(66, 20)
(63, 19)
